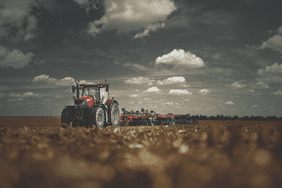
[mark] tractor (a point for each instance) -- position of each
(92, 107)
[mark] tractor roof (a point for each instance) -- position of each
(92, 85)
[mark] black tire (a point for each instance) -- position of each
(66, 117)
(113, 115)
(96, 117)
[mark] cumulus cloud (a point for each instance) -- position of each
(133, 15)
(14, 58)
(270, 74)
(67, 81)
(179, 92)
(277, 92)
(171, 80)
(29, 94)
(4, 88)
(275, 68)
(180, 57)
(259, 84)
(251, 91)
(149, 29)
(39, 62)
(255, 105)
(229, 102)
(239, 84)
(274, 43)
(139, 80)
(204, 91)
(133, 95)
(20, 97)
(153, 90)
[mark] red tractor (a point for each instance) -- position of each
(92, 107)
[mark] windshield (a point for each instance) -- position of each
(89, 91)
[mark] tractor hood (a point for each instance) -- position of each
(84, 101)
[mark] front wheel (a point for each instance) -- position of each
(66, 117)
(97, 117)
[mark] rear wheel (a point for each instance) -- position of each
(114, 115)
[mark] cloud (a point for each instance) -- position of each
(255, 105)
(2, 95)
(132, 15)
(259, 84)
(180, 57)
(275, 68)
(179, 92)
(133, 95)
(14, 58)
(251, 91)
(239, 84)
(153, 90)
(204, 91)
(229, 102)
(169, 103)
(141, 67)
(67, 81)
(39, 62)
(148, 29)
(274, 43)
(171, 80)
(4, 88)
(29, 94)
(270, 74)
(139, 80)
(20, 97)
(277, 92)
(87, 4)
(131, 65)
(17, 19)
(15, 95)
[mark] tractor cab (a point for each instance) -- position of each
(94, 94)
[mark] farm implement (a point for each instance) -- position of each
(150, 119)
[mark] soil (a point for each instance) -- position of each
(211, 154)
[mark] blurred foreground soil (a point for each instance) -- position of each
(213, 154)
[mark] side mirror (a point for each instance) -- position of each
(73, 89)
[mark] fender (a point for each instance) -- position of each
(110, 102)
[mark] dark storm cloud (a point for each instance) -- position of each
(60, 13)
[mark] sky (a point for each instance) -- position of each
(183, 56)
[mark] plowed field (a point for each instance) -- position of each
(213, 154)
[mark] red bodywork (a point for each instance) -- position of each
(90, 101)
